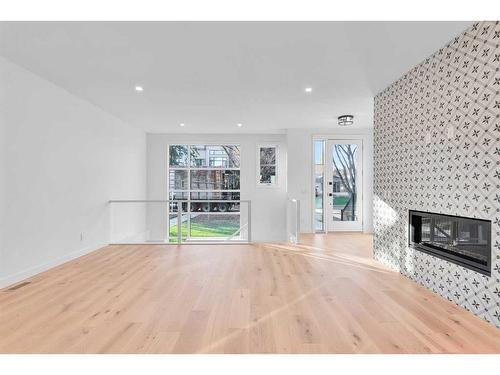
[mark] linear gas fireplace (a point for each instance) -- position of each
(461, 240)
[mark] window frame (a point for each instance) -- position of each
(323, 169)
(189, 167)
(276, 166)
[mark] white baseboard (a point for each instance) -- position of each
(131, 238)
(30, 272)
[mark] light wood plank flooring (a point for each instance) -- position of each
(326, 296)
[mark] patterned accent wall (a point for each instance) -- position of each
(437, 148)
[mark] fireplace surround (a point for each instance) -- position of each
(434, 151)
(461, 240)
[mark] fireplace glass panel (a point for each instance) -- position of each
(442, 230)
(471, 234)
(426, 229)
(471, 241)
(465, 241)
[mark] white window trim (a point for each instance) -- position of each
(189, 168)
(277, 165)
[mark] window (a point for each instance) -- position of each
(319, 185)
(267, 168)
(199, 174)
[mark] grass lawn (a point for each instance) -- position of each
(318, 201)
(340, 201)
(204, 226)
(337, 201)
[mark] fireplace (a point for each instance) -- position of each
(461, 240)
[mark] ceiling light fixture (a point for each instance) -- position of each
(139, 88)
(308, 90)
(182, 124)
(239, 125)
(346, 120)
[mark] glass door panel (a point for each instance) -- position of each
(344, 187)
(319, 184)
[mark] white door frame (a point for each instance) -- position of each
(332, 225)
(341, 137)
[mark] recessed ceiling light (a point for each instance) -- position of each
(308, 89)
(239, 125)
(139, 88)
(182, 124)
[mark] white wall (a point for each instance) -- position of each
(63, 159)
(268, 204)
(3, 146)
(300, 172)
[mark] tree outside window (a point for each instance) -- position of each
(267, 168)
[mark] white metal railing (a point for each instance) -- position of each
(293, 220)
(180, 221)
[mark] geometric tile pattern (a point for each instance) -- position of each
(437, 148)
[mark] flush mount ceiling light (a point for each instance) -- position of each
(308, 90)
(139, 88)
(182, 124)
(239, 125)
(346, 120)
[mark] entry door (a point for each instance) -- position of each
(345, 185)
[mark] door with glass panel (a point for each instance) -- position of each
(344, 185)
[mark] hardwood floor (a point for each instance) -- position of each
(327, 296)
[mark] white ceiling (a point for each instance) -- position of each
(213, 75)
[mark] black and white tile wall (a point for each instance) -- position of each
(437, 148)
